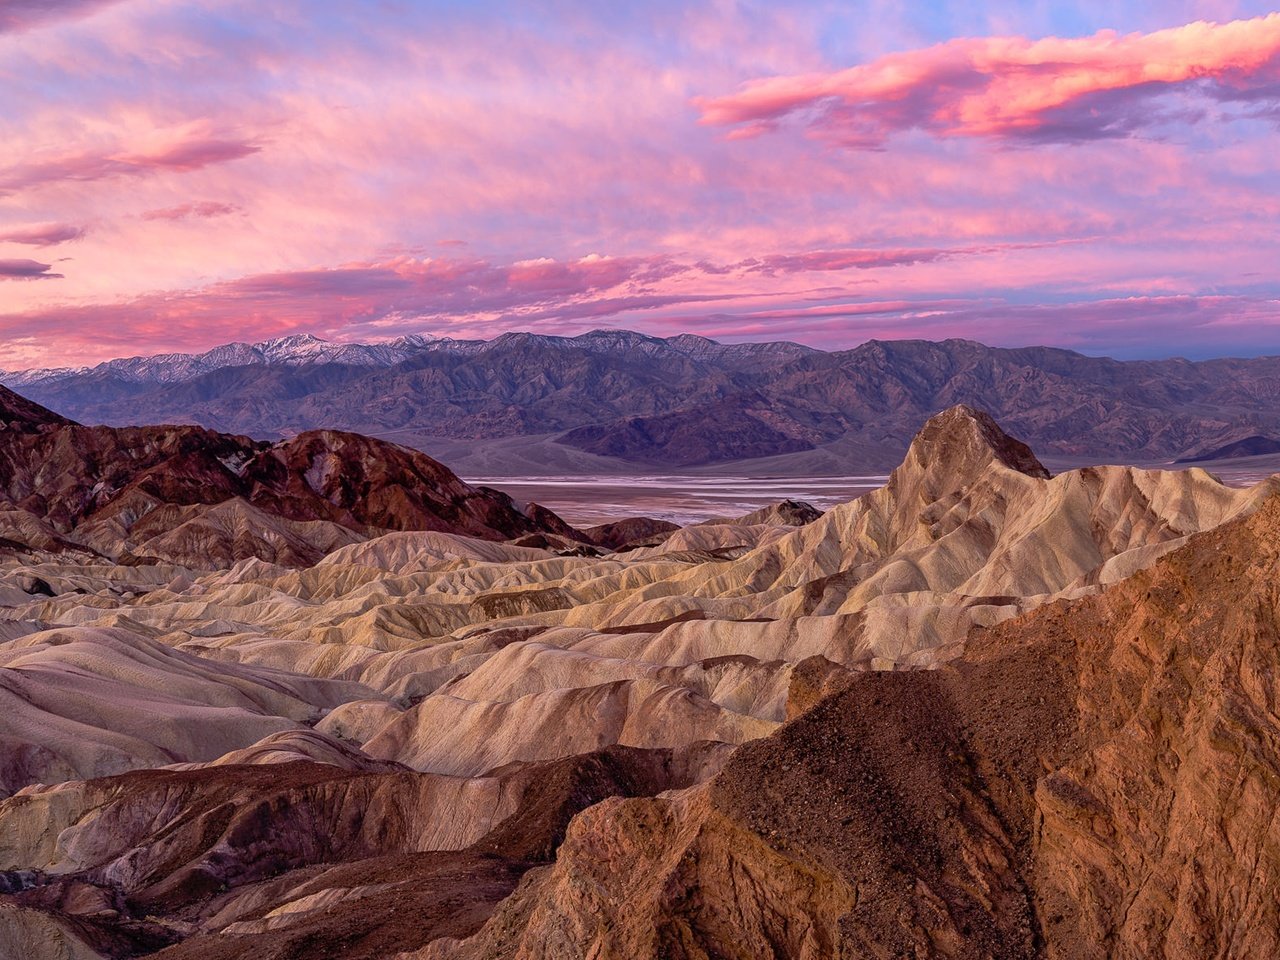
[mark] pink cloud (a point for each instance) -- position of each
(869, 259)
(401, 293)
(43, 234)
(443, 285)
(1012, 87)
(201, 209)
(182, 153)
(27, 270)
(19, 15)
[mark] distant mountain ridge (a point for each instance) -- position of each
(304, 348)
(177, 367)
(620, 401)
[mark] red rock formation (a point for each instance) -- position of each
(95, 485)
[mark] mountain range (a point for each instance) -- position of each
(617, 401)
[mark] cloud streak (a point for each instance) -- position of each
(27, 270)
(1120, 326)
(399, 295)
(1013, 88)
(43, 234)
(182, 153)
(869, 259)
(196, 210)
(17, 16)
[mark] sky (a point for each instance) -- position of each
(1098, 176)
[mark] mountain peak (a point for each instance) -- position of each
(292, 340)
(294, 346)
(978, 428)
(958, 444)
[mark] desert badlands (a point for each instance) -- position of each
(320, 698)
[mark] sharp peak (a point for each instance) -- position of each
(619, 332)
(292, 338)
(963, 439)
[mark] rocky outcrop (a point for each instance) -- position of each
(633, 531)
(785, 513)
(960, 442)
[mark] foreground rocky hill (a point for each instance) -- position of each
(611, 401)
(982, 711)
(1094, 779)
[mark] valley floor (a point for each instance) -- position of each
(693, 498)
(589, 500)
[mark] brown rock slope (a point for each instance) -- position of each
(299, 859)
(630, 531)
(1099, 778)
(189, 495)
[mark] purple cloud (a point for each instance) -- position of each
(27, 270)
(43, 234)
(184, 155)
(1013, 88)
(19, 15)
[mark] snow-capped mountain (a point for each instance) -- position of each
(292, 351)
(616, 396)
(303, 349)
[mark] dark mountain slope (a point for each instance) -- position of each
(1254, 446)
(20, 415)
